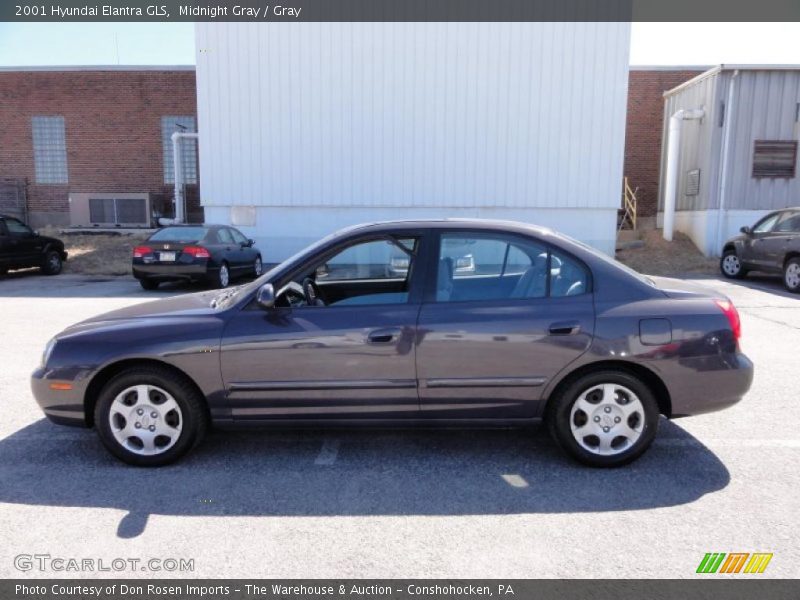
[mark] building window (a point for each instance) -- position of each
(774, 158)
(49, 149)
(185, 124)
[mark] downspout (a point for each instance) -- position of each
(723, 175)
(180, 200)
(673, 155)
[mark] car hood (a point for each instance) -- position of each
(180, 308)
(46, 239)
(737, 238)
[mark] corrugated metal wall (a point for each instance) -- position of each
(699, 143)
(412, 114)
(765, 109)
(765, 106)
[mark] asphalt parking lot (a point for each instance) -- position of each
(498, 504)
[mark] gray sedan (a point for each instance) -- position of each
(539, 328)
(772, 246)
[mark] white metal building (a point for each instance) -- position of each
(736, 158)
(308, 127)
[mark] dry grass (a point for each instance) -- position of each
(660, 257)
(98, 254)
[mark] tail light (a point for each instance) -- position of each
(727, 307)
(196, 251)
(141, 251)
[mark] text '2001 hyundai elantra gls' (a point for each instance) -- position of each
(540, 327)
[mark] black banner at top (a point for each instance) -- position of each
(399, 10)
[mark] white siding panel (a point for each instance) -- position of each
(453, 115)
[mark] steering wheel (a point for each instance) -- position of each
(312, 293)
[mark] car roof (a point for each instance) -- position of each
(449, 223)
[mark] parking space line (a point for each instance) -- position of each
(515, 480)
(328, 453)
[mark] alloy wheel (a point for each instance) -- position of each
(145, 420)
(224, 276)
(257, 266)
(792, 276)
(607, 419)
(731, 265)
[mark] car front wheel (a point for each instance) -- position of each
(257, 267)
(731, 265)
(148, 416)
(604, 419)
(51, 264)
(791, 275)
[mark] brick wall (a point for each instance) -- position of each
(644, 131)
(112, 127)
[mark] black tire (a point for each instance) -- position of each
(148, 284)
(192, 407)
(791, 275)
(217, 279)
(728, 263)
(51, 263)
(559, 413)
(3, 271)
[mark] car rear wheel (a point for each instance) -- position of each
(148, 417)
(791, 275)
(148, 284)
(51, 264)
(731, 265)
(257, 266)
(223, 276)
(604, 419)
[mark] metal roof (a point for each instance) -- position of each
(731, 67)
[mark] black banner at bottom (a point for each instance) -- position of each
(754, 588)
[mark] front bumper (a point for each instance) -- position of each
(708, 384)
(64, 407)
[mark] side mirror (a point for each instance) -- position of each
(746, 230)
(322, 271)
(266, 296)
(251, 243)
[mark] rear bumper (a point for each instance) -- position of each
(172, 272)
(708, 384)
(64, 407)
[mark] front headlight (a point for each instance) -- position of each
(48, 350)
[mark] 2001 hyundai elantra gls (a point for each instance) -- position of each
(540, 327)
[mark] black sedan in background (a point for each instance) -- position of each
(214, 254)
(772, 246)
(543, 328)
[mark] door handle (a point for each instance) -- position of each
(565, 328)
(383, 336)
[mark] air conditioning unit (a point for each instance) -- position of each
(110, 210)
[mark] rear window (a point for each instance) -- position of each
(179, 234)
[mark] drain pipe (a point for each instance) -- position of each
(723, 176)
(673, 154)
(179, 200)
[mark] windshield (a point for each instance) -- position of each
(179, 234)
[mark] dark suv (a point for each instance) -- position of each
(772, 245)
(21, 247)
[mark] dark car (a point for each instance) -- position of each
(21, 248)
(544, 328)
(213, 254)
(772, 246)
